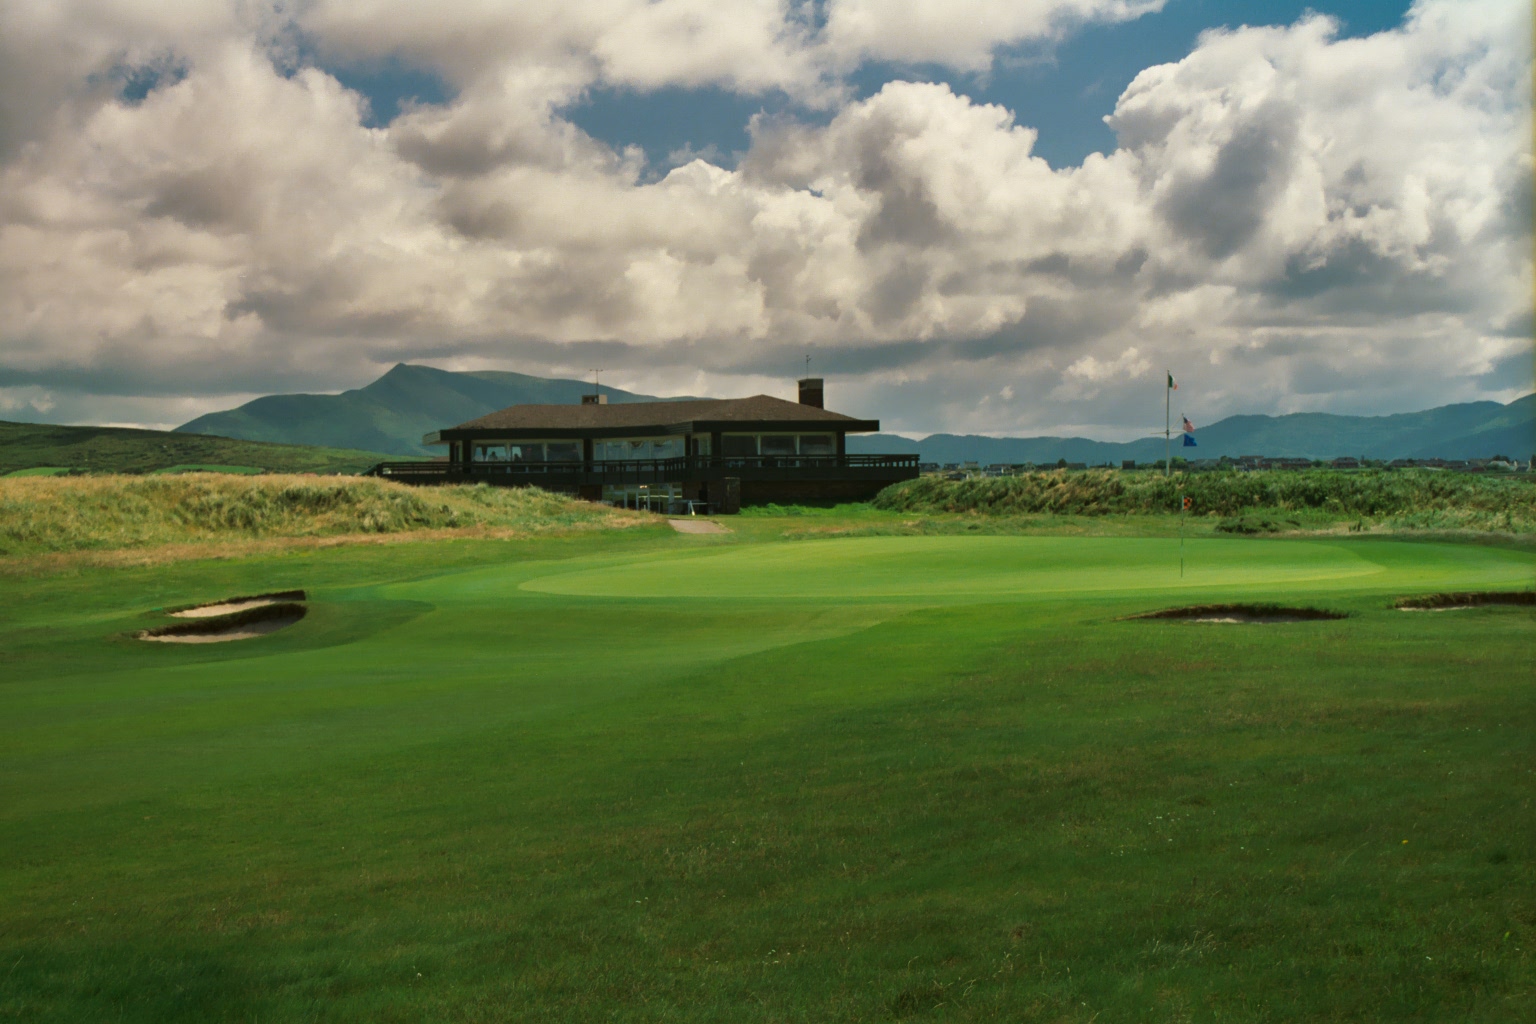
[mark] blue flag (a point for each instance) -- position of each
(1189, 441)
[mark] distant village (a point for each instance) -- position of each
(1244, 463)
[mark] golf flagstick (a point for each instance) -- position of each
(1184, 504)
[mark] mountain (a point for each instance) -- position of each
(391, 414)
(1469, 430)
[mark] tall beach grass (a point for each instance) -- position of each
(54, 514)
(1415, 499)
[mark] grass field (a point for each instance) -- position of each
(42, 448)
(634, 776)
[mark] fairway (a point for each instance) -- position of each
(947, 568)
(635, 775)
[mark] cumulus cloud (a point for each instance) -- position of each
(1291, 219)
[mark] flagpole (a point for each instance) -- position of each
(1167, 433)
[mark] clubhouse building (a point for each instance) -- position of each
(666, 455)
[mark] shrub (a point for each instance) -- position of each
(1414, 498)
(62, 513)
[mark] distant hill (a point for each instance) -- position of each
(42, 447)
(1470, 430)
(391, 414)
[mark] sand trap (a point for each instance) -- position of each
(1462, 601)
(236, 604)
(1234, 614)
(696, 526)
(243, 625)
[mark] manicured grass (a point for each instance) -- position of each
(628, 775)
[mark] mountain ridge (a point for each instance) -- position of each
(393, 412)
(1460, 431)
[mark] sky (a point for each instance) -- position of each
(985, 216)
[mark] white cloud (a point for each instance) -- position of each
(1306, 219)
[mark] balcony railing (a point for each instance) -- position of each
(647, 471)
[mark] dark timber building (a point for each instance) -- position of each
(664, 454)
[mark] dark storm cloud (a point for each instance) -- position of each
(1222, 210)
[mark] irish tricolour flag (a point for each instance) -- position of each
(1173, 385)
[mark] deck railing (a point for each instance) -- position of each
(643, 471)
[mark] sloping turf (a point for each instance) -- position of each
(646, 777)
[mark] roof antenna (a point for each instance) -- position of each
(596, 397)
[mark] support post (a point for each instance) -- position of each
(1167, 434)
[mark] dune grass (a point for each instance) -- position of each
(1410, 499)
(634, 776)
(56, 514)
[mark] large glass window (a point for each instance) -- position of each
(638, 448)
(777, 444)
(562, 451)
(490, 453)
(818, 444)
(738, 444)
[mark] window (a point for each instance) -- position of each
(818, 444)
(778, 444)
(563, 451)
(633, 449)
(528, 453)
(738, 444)
(490, 453)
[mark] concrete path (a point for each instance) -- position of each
(696, 526)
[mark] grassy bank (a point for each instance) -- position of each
(53, 448)
(1421, 499)
(50, 514)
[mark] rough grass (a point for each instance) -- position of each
(59, 514)
(1412, 499)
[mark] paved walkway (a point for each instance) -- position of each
(696, 526)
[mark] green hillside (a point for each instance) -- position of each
(392, 413)
(41, 448)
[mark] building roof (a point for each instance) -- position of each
(696, 416)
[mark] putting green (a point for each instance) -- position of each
(957, 568)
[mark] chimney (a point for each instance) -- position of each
(810, 392)
(594, 399)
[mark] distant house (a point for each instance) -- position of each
(721, 452)
(1347, 462)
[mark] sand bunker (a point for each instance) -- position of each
(1462, 601)
(696, 526)
(253, 621)
(1243, 613)
(236, 604)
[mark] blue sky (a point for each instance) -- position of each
(1063, 89)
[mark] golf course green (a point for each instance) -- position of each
(631, 775)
